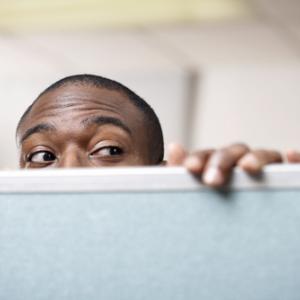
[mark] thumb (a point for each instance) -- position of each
(176, 155)
(293, 156)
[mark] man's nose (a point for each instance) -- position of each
(73, 159)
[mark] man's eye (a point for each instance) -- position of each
(108, 151)
(42, 157)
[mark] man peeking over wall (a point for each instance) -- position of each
(91, 121)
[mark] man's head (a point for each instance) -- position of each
(88, 120)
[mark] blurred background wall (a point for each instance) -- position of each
(216, 71)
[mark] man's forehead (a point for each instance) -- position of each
(82, 94)
(77, 97)
(75, 102)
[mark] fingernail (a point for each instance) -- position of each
(251, 163)
(192, 163)
(292, 156)
(176, 154)
(172, 146)
(213, 177)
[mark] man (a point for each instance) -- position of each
(91, 121)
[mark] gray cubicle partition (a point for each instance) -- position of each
(148, 233)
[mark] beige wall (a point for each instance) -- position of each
(211, 84)
(36, 15)
(257, 104)
(31, 63)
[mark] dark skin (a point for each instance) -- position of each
(86, 126)
(83, 127)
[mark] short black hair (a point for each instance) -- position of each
(155, 136)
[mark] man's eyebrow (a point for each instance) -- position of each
(101, 120)
(43, 127)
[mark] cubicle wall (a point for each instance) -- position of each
(148, 233)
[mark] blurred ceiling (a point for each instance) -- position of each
(36, 15)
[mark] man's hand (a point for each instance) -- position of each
(214, 167)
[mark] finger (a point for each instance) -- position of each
(293, 156)
(195, 163)
(221, 163)
(176, 155)
(254, 161)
